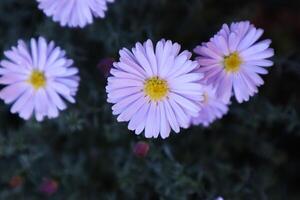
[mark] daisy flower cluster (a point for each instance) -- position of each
(156, 88)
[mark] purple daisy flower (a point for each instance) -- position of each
(74, 13)
(212, 107)
(155, 88)
(232, 60)
(37, 78)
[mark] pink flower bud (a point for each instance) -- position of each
(105, 65)
(16, 181)
(48, 187)
(141, 149)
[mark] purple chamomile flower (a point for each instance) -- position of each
(212, 107)
(233, 59)
(155, 88)
(37, 77)
(74, 13)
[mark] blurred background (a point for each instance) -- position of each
(251, 154)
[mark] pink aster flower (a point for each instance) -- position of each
(37, 77)
(155, 88)
(233, 60)
(212, 107)
(74, 13)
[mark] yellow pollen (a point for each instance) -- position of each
(156, 89)
(37, 79)
(205, 98)
(232, 62)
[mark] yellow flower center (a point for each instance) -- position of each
(37, 79)
(205, 98)
(232, 63)
(156, 88)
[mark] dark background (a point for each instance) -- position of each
(251, 154)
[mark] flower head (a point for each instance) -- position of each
(37, 77)
(212, 107)
(156, 88)
(233, 59)
(74, 13)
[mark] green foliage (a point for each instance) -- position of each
(251, 154)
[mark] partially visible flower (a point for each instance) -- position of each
(156, 89)
(105, 65)
(212, 107)
(74, 13)
(48, 187)
(219, 198)
(16, 181)
(37, 77)
(232, 60)
(141, 149)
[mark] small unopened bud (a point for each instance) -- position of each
(16, 181)
(141, 149)
(105, 65)
(48, 187)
